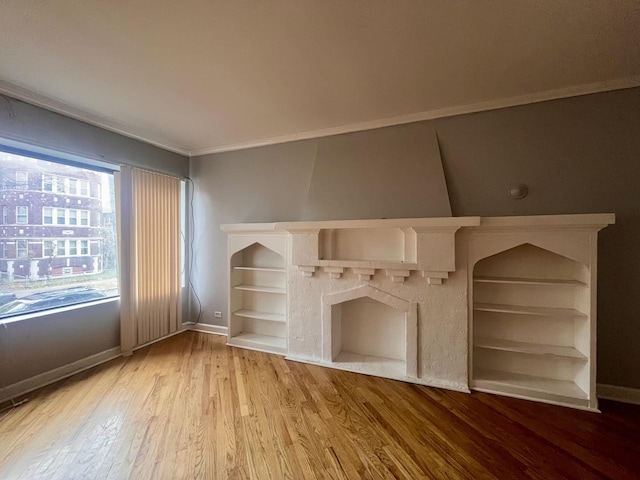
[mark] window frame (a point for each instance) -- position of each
(20, 215)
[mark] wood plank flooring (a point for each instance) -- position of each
(190, 407)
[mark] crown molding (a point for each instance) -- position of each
(7, 88)
(56, 106)
(567, 92)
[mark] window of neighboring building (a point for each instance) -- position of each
(60, 217)
(22, 214)
(47, 215)
(84, 188)
(73, 217)
(47, 183)
(22, 180)
(73, 186)
(60, 185)
(22, 248)
(72, 264)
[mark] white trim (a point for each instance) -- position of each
(56, 106)
(619, 394)
(138, 347)
(205, 328)
(42, 380)
(566, 92)
(39, 100)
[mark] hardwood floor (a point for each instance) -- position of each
(191, 407)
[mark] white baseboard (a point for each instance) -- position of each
(619, 394)
(42, 380)
(205, 328)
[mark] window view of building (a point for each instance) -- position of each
(57, 238)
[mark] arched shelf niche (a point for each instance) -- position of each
(258, 307)
(531, 329)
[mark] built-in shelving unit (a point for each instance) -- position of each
(258, 299)
(531, 328)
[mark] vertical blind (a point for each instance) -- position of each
(154, 306)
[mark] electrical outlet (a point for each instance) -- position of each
(217, 314)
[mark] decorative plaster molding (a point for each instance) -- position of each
(364, 273)
(545, 96)
(111, 125)
(307, 270)
(334, 272)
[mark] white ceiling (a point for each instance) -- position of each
(198, 76)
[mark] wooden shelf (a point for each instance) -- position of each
(264, 343)
(528, 348)
(271, 317)
(261, 288)
(260, 269)
(528, 310)
(498, 381)
(528, 281)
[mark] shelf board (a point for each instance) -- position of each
(528, 348)
(263, 343)
(260, 269)
(499, 381)
(527, 310)
(272, 317)
(528, 281)
(260, 288)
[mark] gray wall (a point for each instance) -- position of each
(37, 345)
(577, 155)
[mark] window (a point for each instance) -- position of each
(22, 248)
(66, 264)
(60, 185)
(22, 180)
(22, 214)
(47, 215)
(47, 183)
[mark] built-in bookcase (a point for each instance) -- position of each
(257, 300)
(531, 326)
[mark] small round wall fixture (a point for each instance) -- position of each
(518, 191)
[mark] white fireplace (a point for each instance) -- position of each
(453, 302)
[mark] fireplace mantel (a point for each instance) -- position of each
(504, 305)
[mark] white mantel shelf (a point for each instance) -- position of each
(504, 305)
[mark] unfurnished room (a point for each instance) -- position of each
(319, 239)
